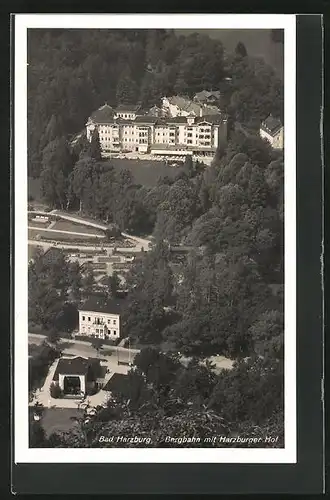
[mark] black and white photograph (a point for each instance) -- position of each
(155, 250)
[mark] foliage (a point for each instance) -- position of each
(51, 276)
(37, 435)
(55, 391)
(240, 49)
(39, 365)
(251, 391)
(94, 150)
(97, 343)
(113, 284)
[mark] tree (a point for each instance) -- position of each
(53, 130)
(160, 369)
(97, 344)
(113, 284)
(112, 231)
(81, 179)
(75, 280)
(240, 49)
(53, 336)
(95, 150)
(67, 319)
(48, 288)
(37, 435)
(268, 334)
(188, 165)
(89, 280)
(251, 391)
(195, 383)
(126, 92)
(55, 391)
(56, 167)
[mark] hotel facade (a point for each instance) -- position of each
(126, 129)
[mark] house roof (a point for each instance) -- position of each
(103, 115)
(206, 94)
(176, 119)
(118, 382)
(192, 107)
(145, 119)
(128, 108)
(215, 118)
(103, 305)
(271, 125)
(78, 366)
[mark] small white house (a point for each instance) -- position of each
(273, 130)
(100, 318)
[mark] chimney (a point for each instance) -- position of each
(200, 111)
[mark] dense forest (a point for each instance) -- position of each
(226, 296)
(73, 72)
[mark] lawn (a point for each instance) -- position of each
(63, 225)
(61, 237)
(59, 419)
(38, 224)
(33, 234)
(145, 172)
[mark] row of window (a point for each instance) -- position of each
(126, 115)
(98, 319)
(100, 331)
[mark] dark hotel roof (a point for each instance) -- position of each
(77, 366)
(271, 125)
(128, 108)
(103, 115)
(102, 305)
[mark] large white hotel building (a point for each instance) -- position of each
(179, 128)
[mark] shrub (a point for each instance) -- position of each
(55, 391)
(91, 391)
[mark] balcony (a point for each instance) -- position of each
(98, 322)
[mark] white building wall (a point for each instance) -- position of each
(276, 141)
(215, 142)
(88, 326)
(182, 134)
(265, 135)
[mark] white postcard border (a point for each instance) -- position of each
(22, 452)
